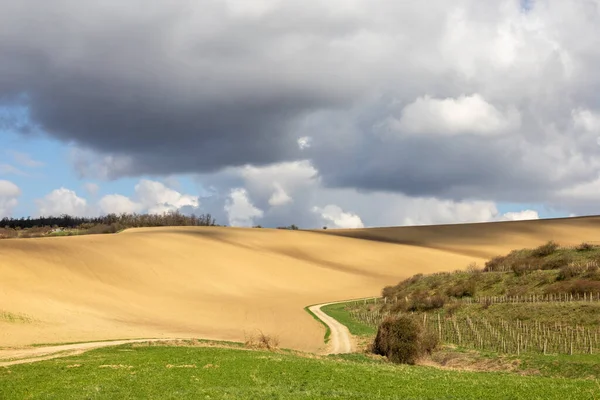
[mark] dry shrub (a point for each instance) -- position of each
(36, 231)
(496, 264)
(473, 268)
(545, 249)
(8, 233)
(402, 305)
(262, 341)
(388, 292)
(584, 247)
(103, 228)
(570, 271)
(422, 302)
(557, 262)
(414, 279)
(429, 342)
(526, 265)
(462, 289)
(582, 286)
(575, 287)
(592, 271)
(403, 340)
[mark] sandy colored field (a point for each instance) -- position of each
(223, 283)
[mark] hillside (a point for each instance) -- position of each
(223, 283)
(485, 240)
(541, 300)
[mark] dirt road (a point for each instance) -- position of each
(33, 354)
(340, 340)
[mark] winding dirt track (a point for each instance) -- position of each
(33, 354)
(340, 339)
(340, 342)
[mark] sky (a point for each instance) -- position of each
(339, 114)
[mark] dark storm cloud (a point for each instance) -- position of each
(146, 87)
(177, 88)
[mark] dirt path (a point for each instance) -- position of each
(340, 340)
(33, 354)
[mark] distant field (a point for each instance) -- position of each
(137, 371)
(226, 283)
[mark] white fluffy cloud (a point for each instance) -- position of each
(314, 205)
(9, 193)
(337, 218)
(150, 196)
(63, 201)
(452, 116)
(158, 198)
(520, 215)
(118, 204)
(240, 210)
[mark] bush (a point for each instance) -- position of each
(262, 341)
(584, 247)
(388, 292)
(496, 264)
(557, 262)
(545, 249)
(473, 268)
(422, 302)
(525, 265)
(592, 271)
(462, 289)
(429, 342)
(581, 287)
(8, 233)
(569, 271)
(400, 339)
(413, 279)
(102, 228)
(574, 287)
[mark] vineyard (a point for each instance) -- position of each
(502, 336)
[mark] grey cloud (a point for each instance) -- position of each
(145, 87)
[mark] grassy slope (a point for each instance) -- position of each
(338, 312)
(572, 272)
(127, 372)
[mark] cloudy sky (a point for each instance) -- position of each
(338, 113)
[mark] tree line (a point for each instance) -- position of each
(125, 220)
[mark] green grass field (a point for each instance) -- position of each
(157, 372)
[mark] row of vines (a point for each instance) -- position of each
(510, 337)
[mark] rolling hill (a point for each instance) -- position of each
(225, 283)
